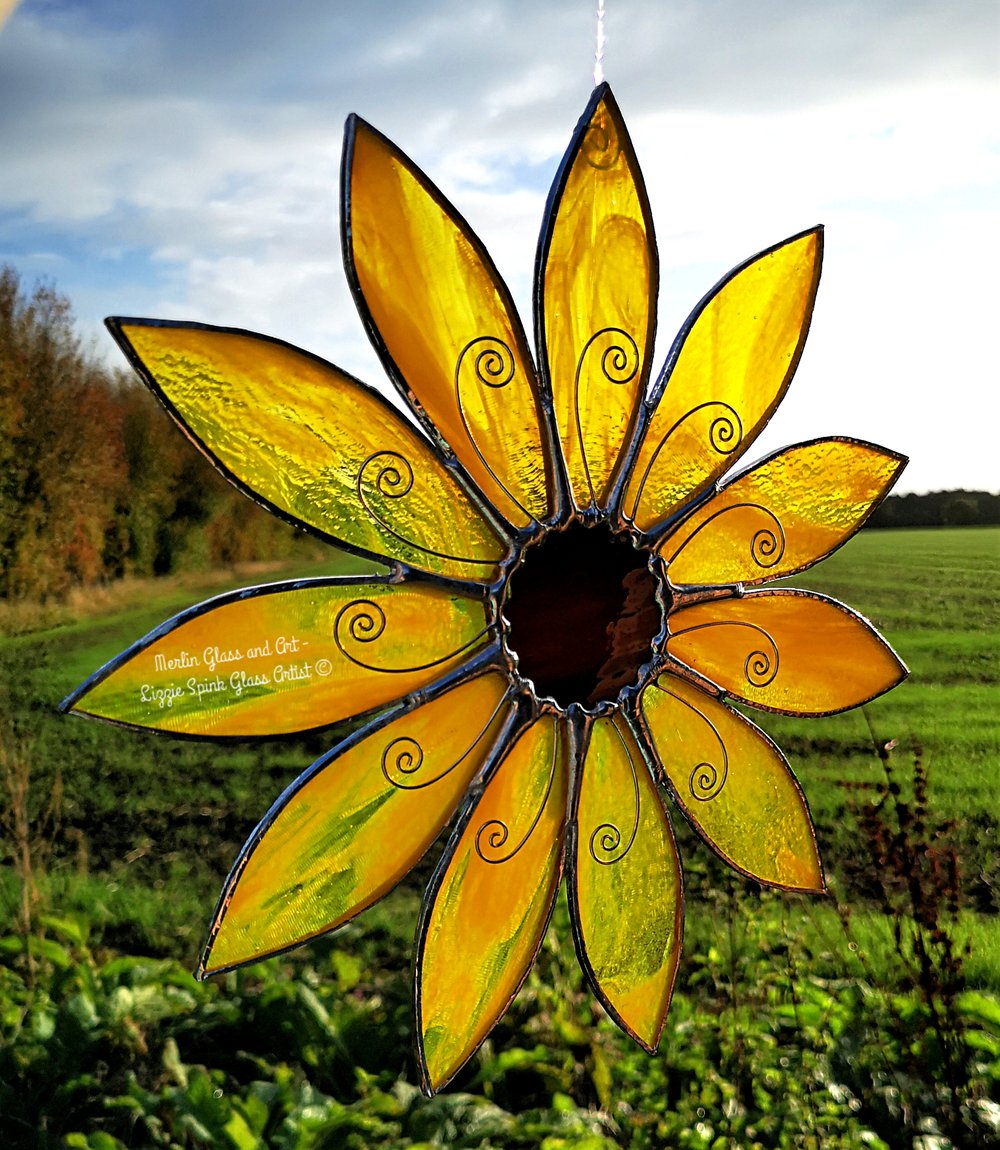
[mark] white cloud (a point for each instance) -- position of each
(182, 158)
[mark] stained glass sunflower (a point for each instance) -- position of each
(575, 606)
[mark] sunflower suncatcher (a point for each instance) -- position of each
(573, 601)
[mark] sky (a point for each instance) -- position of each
(180, 159)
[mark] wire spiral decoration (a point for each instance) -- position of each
(706, 780)
(493, 361)
(493, 834)
(403, 758)
(493, 366)
(725, 435)
(393, 478)
(767, 545)
(498, 835)
(760, 667)
(390, 475)
(600, 146)
(608, 836)
(619, 362)
(363, 622)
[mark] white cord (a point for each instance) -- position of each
(599, 53)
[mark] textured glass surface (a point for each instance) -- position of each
(736, 358)
(782, 516)
(349, 830)
(538, 535)
(294, 658)
(626, 895)
(488, 913)
(598, 292)
(733, 784)
(447, 322)
(318, 445)
(789, 651)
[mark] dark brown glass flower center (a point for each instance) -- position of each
(582, 614)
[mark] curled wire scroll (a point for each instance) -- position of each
(706, 780)
(725, 434)
(493, 366)
(609, 842)
(493, 834)
(362, 622)
(403, 758)
(767, 544)
(619, 362)
(389, 475)
(760, 667)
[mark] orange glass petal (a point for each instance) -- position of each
(625, 896)
(730, 367)
(788, 651)
(287, 658)
(487, 909)
(444, 322)
(733, 784)
(784, 515)
(358, 821)
(314, 444)
(598, 269)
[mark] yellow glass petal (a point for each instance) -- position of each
(790, 651)
(314, 444)
(444, 322)
(598, 269)
(728, 370)
(782, 516)
(288, 657)
(733, 784)
(354, 824)
(490, 902)
(625, 894)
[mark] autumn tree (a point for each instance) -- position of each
(95, 480)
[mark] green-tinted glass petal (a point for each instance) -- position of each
(286, 657)
(783, 515)
(733, 784)
(625, 894)
(727, 372)
(314, 444)
(354, 824)
(490, 902)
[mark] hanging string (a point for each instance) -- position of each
(599, 53)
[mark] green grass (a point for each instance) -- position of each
(935, 595)
(796, 1021)
(137, 810)
(161, 802)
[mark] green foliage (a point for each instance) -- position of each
(796, 1022)
(938, 509)
(95, 482)
(107, 1050)
(935, 595)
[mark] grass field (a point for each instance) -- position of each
(794, 1019)
(935, 595)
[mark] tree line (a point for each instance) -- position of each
(938, 509)
(95, 481)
